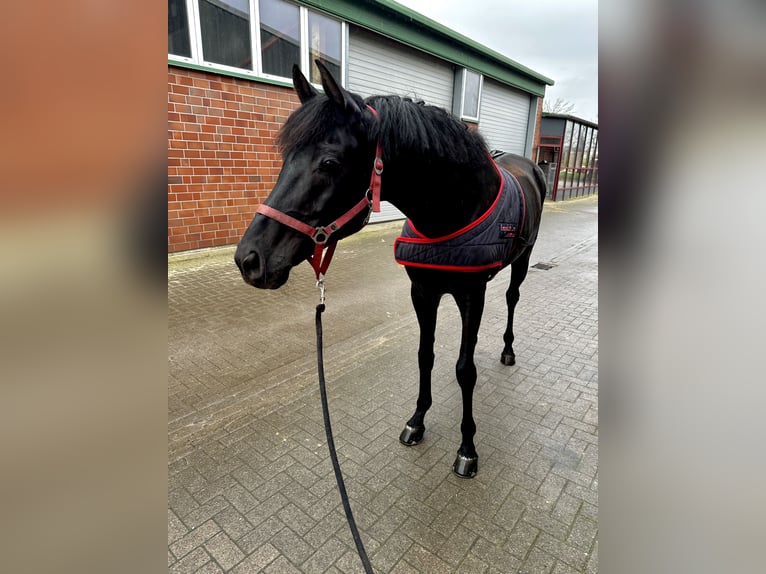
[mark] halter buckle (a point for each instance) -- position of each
(378, 166)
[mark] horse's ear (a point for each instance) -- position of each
(303, 87)
(336, 93)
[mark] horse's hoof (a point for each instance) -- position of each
(411, 435)
(508, 359)
(466, 466)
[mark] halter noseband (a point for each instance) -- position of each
(321, 234)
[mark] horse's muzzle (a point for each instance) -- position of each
(251, 266)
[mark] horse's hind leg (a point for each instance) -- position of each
(426, 303)
(519, 270)
(471, 307)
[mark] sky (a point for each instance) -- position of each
(556, 38)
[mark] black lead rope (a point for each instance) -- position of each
(331, 445)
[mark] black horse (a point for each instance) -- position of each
(437, 172)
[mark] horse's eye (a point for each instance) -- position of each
(330, 164)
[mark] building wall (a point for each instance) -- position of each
(222, 159)
(504, 117)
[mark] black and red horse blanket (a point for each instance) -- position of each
(485, 244)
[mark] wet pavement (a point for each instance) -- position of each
(250, 484)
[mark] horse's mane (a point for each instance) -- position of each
(409, 128)
(405, 128)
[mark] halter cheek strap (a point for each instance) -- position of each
(321, 234)
(377, 169)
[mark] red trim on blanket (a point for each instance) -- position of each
(461, 268)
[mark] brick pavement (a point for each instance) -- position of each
(250, 484)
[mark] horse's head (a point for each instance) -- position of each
(326, 162)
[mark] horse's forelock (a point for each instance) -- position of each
(306, 125)
(310, 124)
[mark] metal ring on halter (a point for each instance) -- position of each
(321, 236)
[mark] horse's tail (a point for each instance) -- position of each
(542, 184)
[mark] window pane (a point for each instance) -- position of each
(178, 29)
(471, 94)
(280, 37)
(324, 45)
(566, 155)
(226, 32)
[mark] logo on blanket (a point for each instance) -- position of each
(507, 230)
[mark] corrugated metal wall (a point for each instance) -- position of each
(379, 66)
(504, 117)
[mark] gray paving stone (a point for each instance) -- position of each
(260, 534)
(472, 565)
(424, 560)
(455, 549)
(257, 561)
(176, 528)
(205, 512)
(291, 546)
(233, 523)
(574, 557)
(194, 539)
(537, 562)
(325, 557)
(282, 566)
(190, 563)
(495, 556)
(224, 551)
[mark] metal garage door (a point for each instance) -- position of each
(380, 66)
(504, 117)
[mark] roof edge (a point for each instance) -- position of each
(407, 26)
(570, 118)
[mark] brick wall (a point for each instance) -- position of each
(222, 160)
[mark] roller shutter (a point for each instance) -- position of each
(380, 66)
(504, 117)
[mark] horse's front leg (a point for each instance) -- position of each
(471, 307)
(426, 303)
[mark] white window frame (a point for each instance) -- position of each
(192, 19)
(195, 41)
(460, 94)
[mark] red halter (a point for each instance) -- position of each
(321, 234)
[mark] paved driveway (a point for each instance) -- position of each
(251, 487)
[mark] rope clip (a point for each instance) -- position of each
(321, 285)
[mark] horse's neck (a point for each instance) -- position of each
(440, 201)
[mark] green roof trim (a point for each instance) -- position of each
(413, 29)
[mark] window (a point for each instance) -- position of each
(467, 94)
(178, 29)
(225, 27)
(471, 91)
(280, 37)
(324, 45)
(255, 37)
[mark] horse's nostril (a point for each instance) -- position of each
(251, 264)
